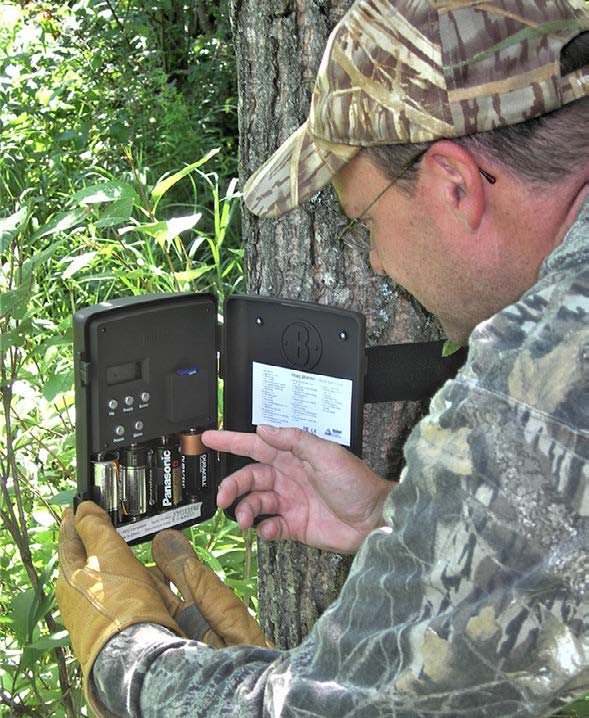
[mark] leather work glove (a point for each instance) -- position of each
(186, 615)
(102, 587)
(227, 621)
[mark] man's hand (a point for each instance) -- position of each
(320, 493)
(102, 587)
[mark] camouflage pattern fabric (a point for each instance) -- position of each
(407, 71)
(471, 601)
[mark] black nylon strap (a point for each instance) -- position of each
(408, 372)
(193, 623)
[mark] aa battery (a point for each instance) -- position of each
(105, 470)
(167, 473)
(134, 468)
(196, 465)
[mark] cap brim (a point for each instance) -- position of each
(298, 169)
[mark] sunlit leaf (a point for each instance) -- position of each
(44, 598)
(46, 643)
(165, 184)
(116, 213)
(39, 258)
(193, 274)
(77, 263)
(43, 517)
(9, 226)
(450, 348)
(63, 498)
(166, 232)
(66, 136)
(19, 611)
(106, 192)
(13, 338)
(57, 384)
(194, 246)
(61, 222)
(14, 302)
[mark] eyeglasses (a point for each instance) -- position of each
(356, 235)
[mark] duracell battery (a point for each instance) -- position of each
(167, 473)
(105, 469)
(134, 468)
(196, 466)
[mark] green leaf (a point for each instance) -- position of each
(42, 604)
(77, 263)
(54, 341)
(228, 206)
(14, 302)
(66, 136)
(13, 338)
(63, 498)
(450, 348)
(47, 643)
(43, 517)
(20, 608)
(164, 184)
(110, 191)
(165, 232)
(39, 258)
(57, 384)
(116, 213)
(577, 709)
(10, 225)
(193, 274)
(61, 223)
(194, 246)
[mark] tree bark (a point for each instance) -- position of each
(279, 44)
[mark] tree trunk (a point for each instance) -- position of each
(279, 44)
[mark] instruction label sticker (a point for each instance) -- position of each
(165, 520)
(321, 405)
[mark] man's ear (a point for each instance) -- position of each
(456, 182)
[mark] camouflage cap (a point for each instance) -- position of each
(403, 71)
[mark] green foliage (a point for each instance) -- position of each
(117, 164)
(116, 178)
(450, 348)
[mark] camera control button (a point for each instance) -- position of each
(112, 404)
(129, 400)
(119, 430)
(145, 397)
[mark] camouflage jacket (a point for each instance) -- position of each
(471, 600)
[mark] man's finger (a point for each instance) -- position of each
(254, 477)
(240, 444)
(299, 443)
(255, 504)
(274, 528)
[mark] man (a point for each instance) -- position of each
(466, 596)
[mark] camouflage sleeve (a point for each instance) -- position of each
(470, 600)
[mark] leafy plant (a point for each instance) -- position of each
(110, 184)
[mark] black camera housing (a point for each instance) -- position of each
(147, 371)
